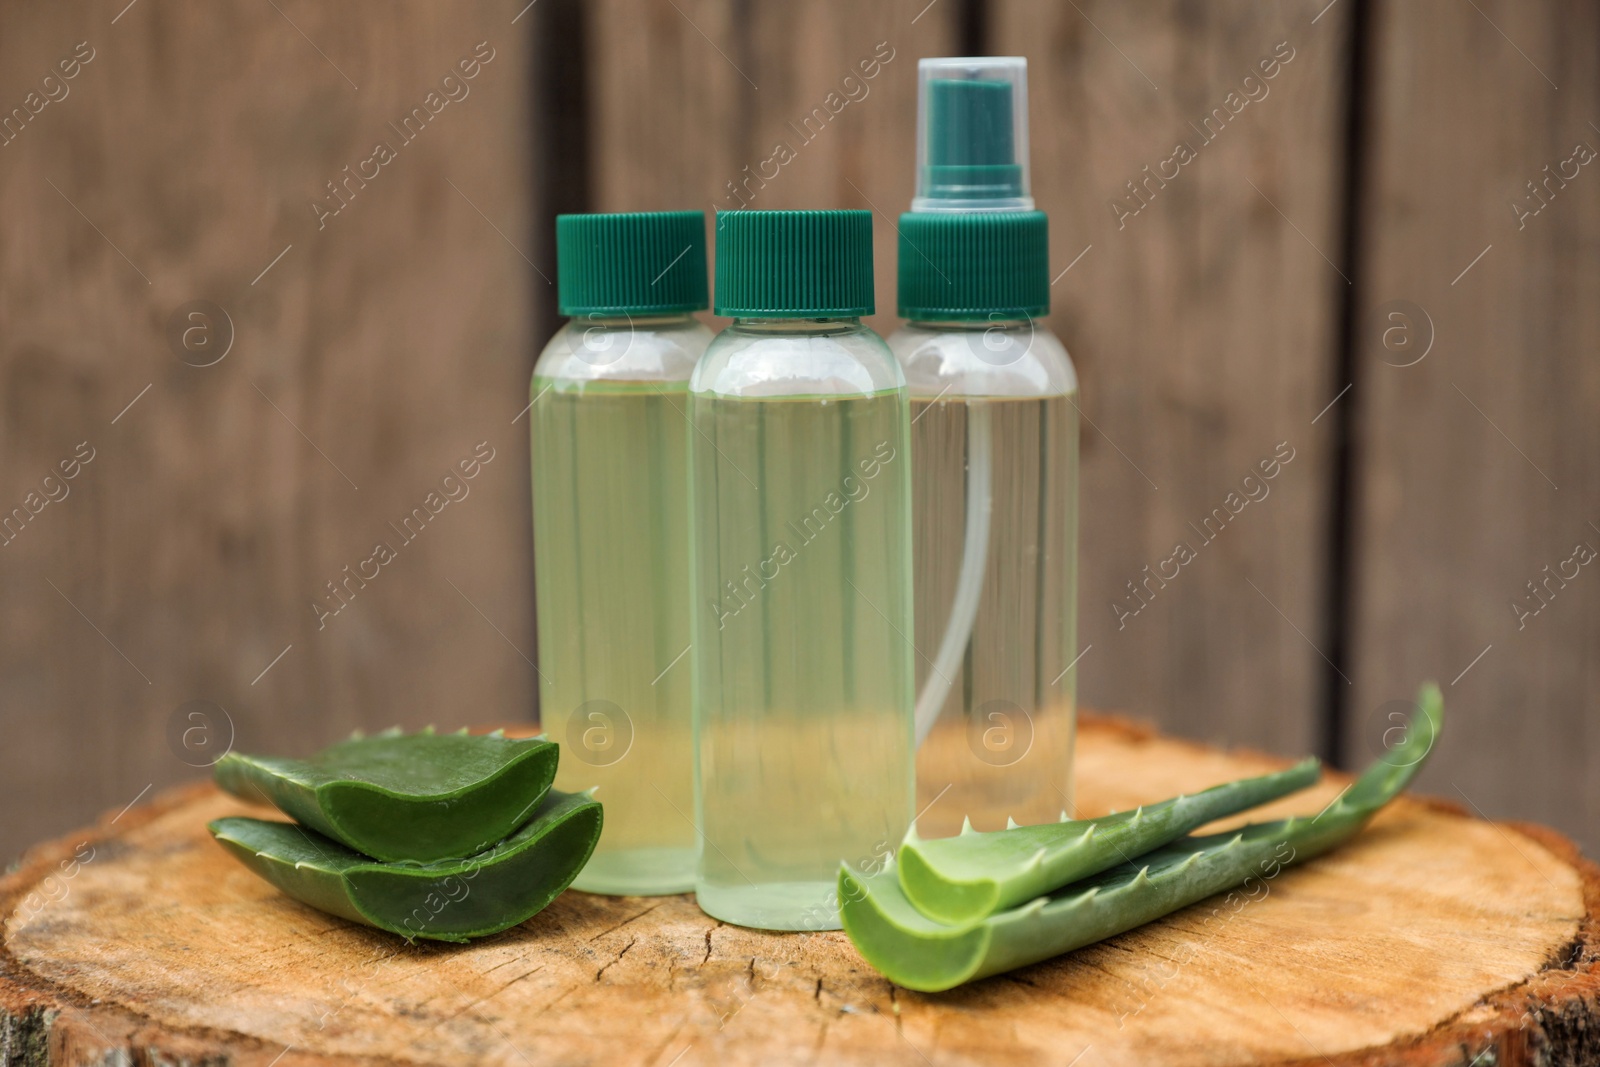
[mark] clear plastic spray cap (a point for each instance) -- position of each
(972, 135)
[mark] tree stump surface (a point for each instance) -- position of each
(1435, 938)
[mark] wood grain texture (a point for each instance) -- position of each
(188, 552)
(143, 935)
(375, 353)
(1478, 465)
(1202, 327)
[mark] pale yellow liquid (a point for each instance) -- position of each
(802, 622)
(1002, 745)
(611, 554)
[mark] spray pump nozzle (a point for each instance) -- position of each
(972, 135)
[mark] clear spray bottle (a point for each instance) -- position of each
(994, 459)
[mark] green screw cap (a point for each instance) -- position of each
(794, 264)
(974, 267)
(638, 263)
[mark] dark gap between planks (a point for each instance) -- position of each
(1340, 575)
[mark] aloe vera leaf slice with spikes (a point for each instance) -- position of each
(447, 900)
(920, 953)
(395, 797)
(958, 880)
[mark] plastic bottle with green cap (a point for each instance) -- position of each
(995, 462)
(801, 503)
(609, 403)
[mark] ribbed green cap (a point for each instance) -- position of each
(974, 265)
(638, 263)
(794, 264)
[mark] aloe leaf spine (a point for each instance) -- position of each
(962, 879)
(921, 953)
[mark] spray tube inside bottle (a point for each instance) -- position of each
(996, 388)
(972, 152)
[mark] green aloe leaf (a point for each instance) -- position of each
(395, 796)
(920, 953)
(961, 879)
(448, 900)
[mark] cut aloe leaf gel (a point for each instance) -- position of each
(921, 953)
(404, 797)
(608, 417)
(961, 879)
(446, 900)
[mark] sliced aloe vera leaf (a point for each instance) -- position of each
(395, 796)
(958, 880)
(920, 953)
(448, 900)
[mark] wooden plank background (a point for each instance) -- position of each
(1213, 327)
(1480, 465)
(384, 344)
(1202, 327)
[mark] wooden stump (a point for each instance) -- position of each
(1436, 938)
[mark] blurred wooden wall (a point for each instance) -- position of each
(366, 362)
(1241, 310)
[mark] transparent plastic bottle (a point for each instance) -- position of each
(611, 536)
(800, 487)
(995, 462)
(994, 458)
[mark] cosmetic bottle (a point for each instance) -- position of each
(994, 456)
(800, 501)
(608, 416)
